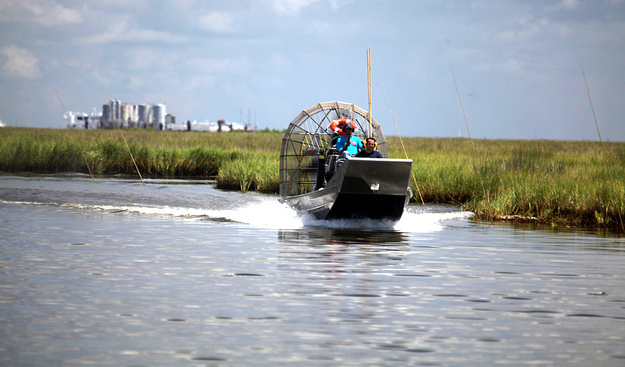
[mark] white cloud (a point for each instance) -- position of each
(325, 28)
(564, 5)
(218, 22)
(209, 66)
(199, 82)
(511, 66)
(21, 63)
(146, 58)
(569, 4)
(291, 7)
(46, 13)
(526, 31)
(123, 32)
(121, 4)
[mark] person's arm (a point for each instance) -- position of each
(344, 147)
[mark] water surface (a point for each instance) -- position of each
(175, 273)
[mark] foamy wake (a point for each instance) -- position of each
(424, 222)
(275, 215)
(272, 214)
(265, 214)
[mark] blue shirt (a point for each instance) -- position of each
(355, 144)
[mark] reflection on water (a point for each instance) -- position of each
(332, 236)
(117, 274)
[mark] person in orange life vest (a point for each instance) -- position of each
(348, 145)
(368, 152)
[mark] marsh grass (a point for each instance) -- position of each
(238, 161)
(544, 182)
(258, 172)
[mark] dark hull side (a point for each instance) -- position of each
(354, 206)
(368, 188)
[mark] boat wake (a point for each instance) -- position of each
(430, 220)
(269, 213)
(412, 221)
(275, 215)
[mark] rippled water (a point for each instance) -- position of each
(115, 273)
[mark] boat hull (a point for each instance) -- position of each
(370, 188)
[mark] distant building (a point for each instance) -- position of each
(115, 113)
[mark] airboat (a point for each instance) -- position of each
(314, 180)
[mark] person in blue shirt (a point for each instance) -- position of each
(368, 152)
(348, 145)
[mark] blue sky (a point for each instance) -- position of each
(516, 63)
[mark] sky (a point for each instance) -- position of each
(517, 64)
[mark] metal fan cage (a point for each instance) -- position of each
(310, 136)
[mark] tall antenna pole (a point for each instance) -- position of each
(369, 87)
(472, 144)
(605, 158)
(81, 148)
(402, 145)
(125, 142)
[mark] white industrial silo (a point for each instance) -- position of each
(144, 112)
(158, 116)
(125, 115)
(128, 115)
(95, 119)
(107, 122)
(134, 115)
(116, 109)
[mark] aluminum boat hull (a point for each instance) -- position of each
(370, 188)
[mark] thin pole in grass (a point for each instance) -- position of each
(472, 144)
(369, 88)
(402, 144)
(125, 142)
(82, 151)
(605, 158)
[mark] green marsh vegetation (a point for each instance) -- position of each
(558, 183)
(236, 161)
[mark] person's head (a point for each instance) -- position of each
(370, 145)
(348, 129)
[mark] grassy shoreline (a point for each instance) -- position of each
(556, 183)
